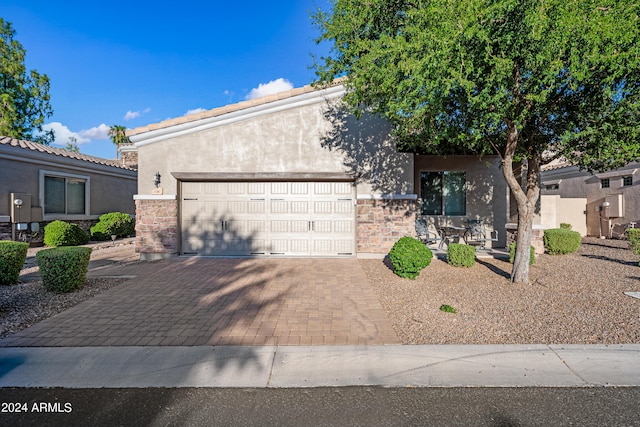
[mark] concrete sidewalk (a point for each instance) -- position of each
(322, 366)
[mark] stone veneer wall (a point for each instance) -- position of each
(381, 222)
(156, 228)
(537, 236)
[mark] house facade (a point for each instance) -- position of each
(595, 204)
(292, 175)
(52, 183)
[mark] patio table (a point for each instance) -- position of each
(451, 233)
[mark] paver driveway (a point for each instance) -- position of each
(206, 301)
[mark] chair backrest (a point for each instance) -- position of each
(421, 227)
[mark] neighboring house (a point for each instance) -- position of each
(292, 175)
(58, 184)
(591, 203)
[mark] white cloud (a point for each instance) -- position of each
(135, 114)
(195, 110)
(98, 132)
(63, 134)
(274, 86)
(132, 115)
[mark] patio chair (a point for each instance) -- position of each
(424, 235)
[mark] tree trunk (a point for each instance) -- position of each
(526, 203)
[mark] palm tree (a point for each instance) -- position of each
(118, 136)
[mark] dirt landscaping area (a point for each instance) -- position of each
(572, 299)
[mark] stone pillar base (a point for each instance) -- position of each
(537, 235)
(381, 222)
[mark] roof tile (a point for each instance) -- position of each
(28, 145)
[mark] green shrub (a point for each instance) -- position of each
(565, 226)
(633, 234)
(409, 256)
(448, 309)
(118, 223)
(561, 241)
(512, 254)
(60, 233)
(12, 258)
(461, 255)
(63, 269)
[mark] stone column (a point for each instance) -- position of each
(156, 226)
(382, 221)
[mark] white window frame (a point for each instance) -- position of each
(87, 194)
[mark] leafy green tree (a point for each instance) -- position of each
(529, 80)
(72, 145)
(118, 136)
(24, 96)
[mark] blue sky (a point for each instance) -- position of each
(132, 63)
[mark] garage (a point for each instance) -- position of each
(306, 215)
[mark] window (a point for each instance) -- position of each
(604, 183)
(443, 193)
(627, 181)
(64, 194)
(552, 187)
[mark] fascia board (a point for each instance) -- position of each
(245, 114)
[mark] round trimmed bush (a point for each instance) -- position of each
(461, 255)
(118, 223)
(60, 233)
(409, 256)
(63, 269)
(559, 241)
(12, 258)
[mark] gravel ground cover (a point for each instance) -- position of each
(572, 299)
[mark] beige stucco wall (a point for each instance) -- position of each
(111, 189)
(486, 190)
(555, 210)
(574, 183)
(307, 139)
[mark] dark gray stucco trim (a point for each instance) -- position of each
(261, 176)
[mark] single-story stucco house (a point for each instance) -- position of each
(291, 175)
(52, 183)
(595, 204)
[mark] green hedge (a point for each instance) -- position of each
(63, 269)
(561, 241)
(12, 258)
(60, 233)
(461, 255)
(409, 256)
(633, 234)
(512, 254)
(118, 223)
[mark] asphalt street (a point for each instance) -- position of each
(325, 406)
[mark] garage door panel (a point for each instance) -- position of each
(270, 218)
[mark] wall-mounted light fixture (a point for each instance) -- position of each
(18, 203)
(156, 179)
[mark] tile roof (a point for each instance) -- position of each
(232, 108)
(32, 146)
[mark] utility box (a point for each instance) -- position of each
(616, 205)
(20, 207)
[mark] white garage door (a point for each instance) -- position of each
(268, 218)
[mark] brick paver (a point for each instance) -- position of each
(207, 301)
